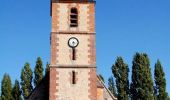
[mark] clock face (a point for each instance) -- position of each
(73, 42)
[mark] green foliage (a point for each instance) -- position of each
(16, 91)
(38, 71)
(111, 86)
(168, 98)
(120, 71)
(26, 80)
(141, 87)
(47, 68)
(6, 88)
(101, 77)
(142, 84)
(160, 81)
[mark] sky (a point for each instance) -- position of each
(123, 27)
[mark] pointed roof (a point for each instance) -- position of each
(100, 84)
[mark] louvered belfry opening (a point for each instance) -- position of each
(74, 17)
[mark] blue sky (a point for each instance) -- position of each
(123, 28)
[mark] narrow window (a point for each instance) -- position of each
(73, 54)
(73, 77)
(74, 17)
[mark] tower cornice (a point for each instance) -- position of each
(73, 66)
(73, 1)
(73, 32)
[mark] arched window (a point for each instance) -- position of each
(74, 17)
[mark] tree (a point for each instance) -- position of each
(47, 68)
(38, 71)
(120, 71)
(160, 82)
(16, 91)
(168, 98)
(111, 86)
(6, 88)
(101, 77)
(142, 84)
(26, 80)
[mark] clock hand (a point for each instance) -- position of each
(73, 43)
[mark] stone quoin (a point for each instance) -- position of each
(72, 74)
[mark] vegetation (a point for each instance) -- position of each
(38, 71)
(16, 91)
(6, 88)
(120, 71)
(160, 82)
(111, 86)
(101, 77)
(168, 98)
(47, 68)
(26, 80)
(141, 86)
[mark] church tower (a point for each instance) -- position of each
(73, 51)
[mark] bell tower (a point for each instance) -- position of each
(73, 52)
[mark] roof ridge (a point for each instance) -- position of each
(113, 97)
